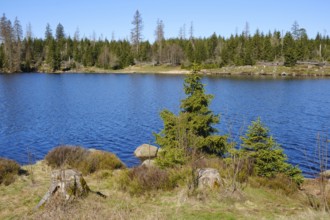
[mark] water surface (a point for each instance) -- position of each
(118, 112)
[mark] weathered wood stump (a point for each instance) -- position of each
(68, 183)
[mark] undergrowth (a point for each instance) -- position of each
(145, 180)
(9, 169)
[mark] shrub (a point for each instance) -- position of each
(142, 179)
(180, 176)
(82, 159)
(66, 156)
(8, 170)
(100, 160)
(280, 182)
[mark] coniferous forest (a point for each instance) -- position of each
(58, 51)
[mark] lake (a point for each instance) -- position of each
(118, 112)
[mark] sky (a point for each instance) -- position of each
(112, 18)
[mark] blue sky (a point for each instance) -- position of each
(114, 17)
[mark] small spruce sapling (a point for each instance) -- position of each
(269, 158)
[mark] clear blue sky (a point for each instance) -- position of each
(225, 17)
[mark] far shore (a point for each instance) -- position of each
(235, 71)
(249, 71)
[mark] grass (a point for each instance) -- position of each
(18, 200)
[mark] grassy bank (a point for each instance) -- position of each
(145, 69)
(257, 70)
(261, 70)
(18, 200)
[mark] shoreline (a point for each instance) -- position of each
(257, 71)
(240, 71)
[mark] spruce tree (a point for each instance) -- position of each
(289, 50)
(48, 32)
(59, 32)
(269, 158)
(192, 130)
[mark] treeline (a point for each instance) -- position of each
(59, 52)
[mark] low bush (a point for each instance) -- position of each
(9, 169)
(63, 156)
(101, 160)
(142, 179)
(280, 182)
(82, 159)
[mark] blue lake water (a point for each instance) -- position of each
(118, 112)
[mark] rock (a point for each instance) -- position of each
(208, 178)
(68, 183)
(148, 163)
(325, 174)
(146, 151)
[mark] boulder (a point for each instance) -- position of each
(146, 151)
(208, 178)
(67, 183)
(325, 174)
(148, 163)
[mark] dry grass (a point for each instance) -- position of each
(82, 159)
(8, 171)
(18, 200)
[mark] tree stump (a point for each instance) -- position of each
(68, 183)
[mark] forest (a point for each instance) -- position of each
(58, 51)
